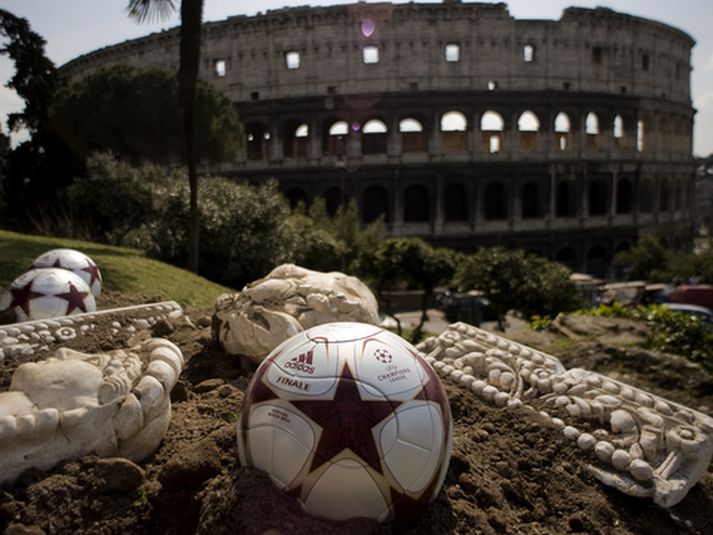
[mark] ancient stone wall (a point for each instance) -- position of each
(458, 122)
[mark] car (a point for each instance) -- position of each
(704, 314)
(469, 307)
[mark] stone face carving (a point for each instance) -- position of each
(31, 337)
(639, 443)
(289, 300)
(112, 404)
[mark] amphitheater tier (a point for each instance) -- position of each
(458, 122)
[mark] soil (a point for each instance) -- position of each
(507, 474)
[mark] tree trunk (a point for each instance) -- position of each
(190, 53)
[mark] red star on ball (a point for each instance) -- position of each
(21, 297)
(93, 271)
(75, 299)
(346, 421)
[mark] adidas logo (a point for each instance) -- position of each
(302, 362)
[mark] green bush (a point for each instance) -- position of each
(672, 331)
(116, 199)
(241, 229)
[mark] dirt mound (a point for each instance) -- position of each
(508, 474)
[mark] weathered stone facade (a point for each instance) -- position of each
(458, 122)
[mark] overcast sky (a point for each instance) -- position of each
(73, 27)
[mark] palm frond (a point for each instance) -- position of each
(150, 10)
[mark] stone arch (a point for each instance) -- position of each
(413, 138)
(646, 196)
(374, 137)
(295, 139)
(591, 130)
(454, 132)
(334, 142)
(664, 196)
(640, 135)
(492, 126)
(495, 201)
(531, 206)
(618, 132)
(257, 136)
(597, 197)
(455, 202)
(416, 204)
(563, 129)
(565, 199)
(624, 196)
(375, 203)
(528, 125)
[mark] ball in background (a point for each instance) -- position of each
(350, 420)
(47, 293)
(74, 261)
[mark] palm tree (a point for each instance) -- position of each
(190, 53)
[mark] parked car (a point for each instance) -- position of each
(695, 294)
(704, 314)
(469, 307)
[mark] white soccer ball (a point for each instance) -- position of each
(74, 261)
(349, 419)
(47, 293)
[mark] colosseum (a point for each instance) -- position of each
(457, 122)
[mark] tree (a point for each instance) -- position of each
(415, 263)
(190, 52)
(511, 279)
(135, 114)
(37, 169)
(641, 260)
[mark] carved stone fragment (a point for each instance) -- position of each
(111, 404)
(289, 300)
(639, 443)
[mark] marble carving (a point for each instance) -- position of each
(637, 442)
(111, 404)
(288, 300)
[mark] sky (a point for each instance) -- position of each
(74, 27)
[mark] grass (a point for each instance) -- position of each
(123, 270)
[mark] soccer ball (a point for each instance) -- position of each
(74, 261)
(47, 293)
(349, 419)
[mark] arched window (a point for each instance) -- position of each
(373, 139)
(416, 205)
(337, 138)
(454, 133)
(624, 196)
(455, 202)
(565, 200)
(530, 201)
(528, 125)
(591, 129)
(618, 130)
(664, 196)
(640, 145)
(528, 122)
(375, 204)
(646, 197)
(295, 140)
(492, 126)
(256, 136)
(453, 121)
(495, 202)
(413, 138)
(563, 126)
(597, 197)
(334, 198)
(528, 53)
